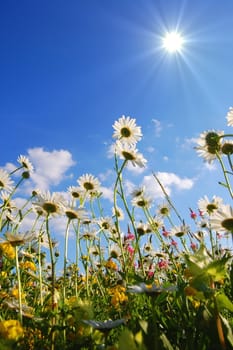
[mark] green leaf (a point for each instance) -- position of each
(228, 330)
(224, 302)
(217, 269)
(166, 343)
(126, 341)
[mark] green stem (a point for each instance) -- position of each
(19, 285)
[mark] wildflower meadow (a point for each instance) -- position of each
(143, 277)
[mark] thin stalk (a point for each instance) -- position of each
(225, 174)
(19, 285)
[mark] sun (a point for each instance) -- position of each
(173, 42)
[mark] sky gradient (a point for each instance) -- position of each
(69, 69)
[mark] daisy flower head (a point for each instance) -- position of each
(229, 117)
(142, 202)
(105, 223)
(130, 153)
(5, 181)
(16, 239)
(118, 212)
(137, 192)
(164, 209)
(72, 213)
(25, 163)
(115, 251)
(89, 183)
(209, 144)
(51, 204)
(209, 207)
(222, 219)
(180, 231)
(143, 228)
(126, 130)
(76, 192)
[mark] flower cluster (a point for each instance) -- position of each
(140, 273)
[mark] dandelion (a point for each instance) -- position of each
(89, 183)
(222, 219)
(229, 117)
(5, 181)
(130, 153)
(209, 144)
(126, 130)
(209, 207)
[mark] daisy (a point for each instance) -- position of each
(5, 181)
(76, 192)
(114, 251)
(156, 223)
(20, 238)
(222, 220)
(164, 209)
(130, 153)
(118, 212)
(229, 117)
(126, 130)
(137, 192)
(105, 224)
(209, 207)
(143, 228)
(25, 163)
(142, 202)
(50, 203)
(72, 213)
(179, 231)
(209, 144)
(88, 182)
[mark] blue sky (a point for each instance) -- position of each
(69, 69)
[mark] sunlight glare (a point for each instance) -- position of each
(173, 42)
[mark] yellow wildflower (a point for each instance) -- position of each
(11, 329)
(28, 265)
(111, 265)
(118, 296)
(7, 249)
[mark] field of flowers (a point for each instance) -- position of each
(158, 282)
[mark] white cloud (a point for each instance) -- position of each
(150, 149)
(169, 181)
(107, 193)
(50, 167)
(158, 127)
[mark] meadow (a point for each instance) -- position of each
(160, 281)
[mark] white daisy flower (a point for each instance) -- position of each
(143, 228)
(130, 153)
(88, 182)
(118, 212)
(25, 162)
(164, 209)
(20, 238)
(179, 231)
(229, 117)
(76, 192)
(105, 223)
(50, 203)
(126, 130)
(227, 147)
(139, 191)
(208, 144)
(75, 213)
(209, 207)
(142, 202)
(115, 251)
(5, 181)
(222, 219)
